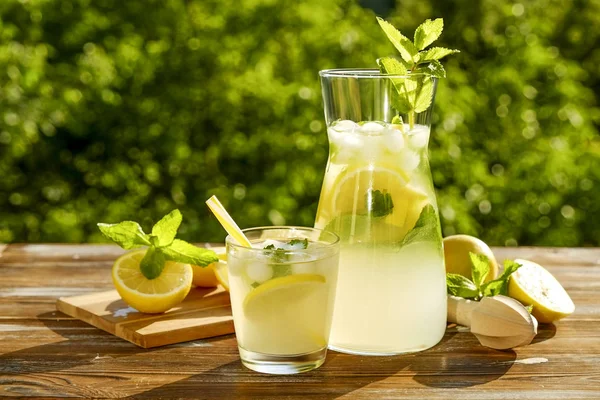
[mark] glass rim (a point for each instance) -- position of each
(368, 73)
(231, 241)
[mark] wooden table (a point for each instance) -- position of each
(46, 353)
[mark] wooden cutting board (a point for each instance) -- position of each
(206, 312)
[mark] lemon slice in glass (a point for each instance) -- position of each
(533, 285)
(151, 295)
(350, 198)
(280, 292)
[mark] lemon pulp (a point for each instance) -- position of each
(533, 285)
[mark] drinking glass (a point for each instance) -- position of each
(282, 294)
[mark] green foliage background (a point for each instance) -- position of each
(113, 110)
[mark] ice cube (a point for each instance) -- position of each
(419, 137)
(372, 127)
(304, 268)
(259, 271)
(344, 126)
(409, 160)
(271, 242)
(372, 147)
(394, 140)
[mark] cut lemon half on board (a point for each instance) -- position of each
(280, 292)
(533, 285)
(205, 276)
(151, 295)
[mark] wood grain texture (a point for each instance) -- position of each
(205, 312)
(44, 353)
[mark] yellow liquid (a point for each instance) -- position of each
(292, 312)
(391, 295)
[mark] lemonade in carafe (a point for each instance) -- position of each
(378, 196)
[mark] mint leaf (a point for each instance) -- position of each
(127, 234)
(278, 255)
(407, 49)
(529, 308)
(153, 263)
(302, 242)
(428, 32)
(397, 120)
(435, 53)
(480, 268)
(379, 203)
(166, 229)
(426, 227)
(282, 270)
(435, 68)
(460, 286)
(401, 103)
(391, 66)
(424, 95)
(500, 284)
(184, 252)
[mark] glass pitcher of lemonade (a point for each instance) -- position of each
(378, 196)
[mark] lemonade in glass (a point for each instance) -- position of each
(282, 294)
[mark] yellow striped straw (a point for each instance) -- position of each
(227, 222)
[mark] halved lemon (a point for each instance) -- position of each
(205, 276)
(151, 295)
(458, 260)
(281, 292)
(533, 285)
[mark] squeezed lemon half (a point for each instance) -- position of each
(151, 295)
(533, 285)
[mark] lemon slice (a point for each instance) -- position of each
(151, 295)
(280, 292)
(205, 276)
(351, 187)
(533, 284)
(349, 199)
(220, 271)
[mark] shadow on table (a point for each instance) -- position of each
(83, 345)
(545, 332)
(452, 363)
(461, 362)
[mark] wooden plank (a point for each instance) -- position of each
(205, 312)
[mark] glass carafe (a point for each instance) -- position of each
(378, 196)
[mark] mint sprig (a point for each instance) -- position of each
(413, 93)
(162, 245)
(425, 229)
(475, 288)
